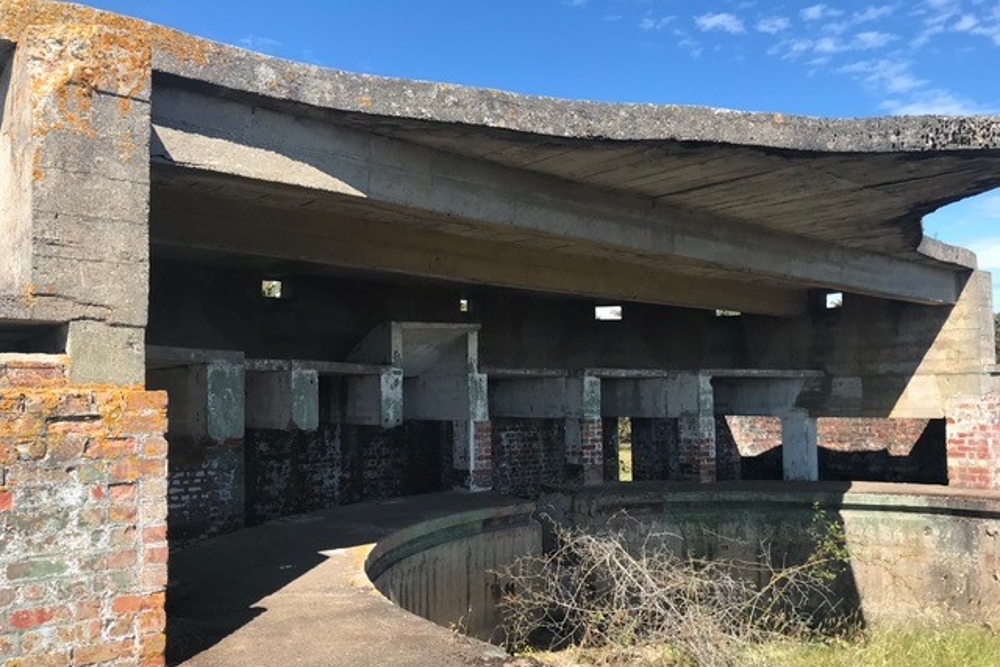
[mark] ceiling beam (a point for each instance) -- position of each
(228, 136)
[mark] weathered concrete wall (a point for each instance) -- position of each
(887, 358)
(878, 450)
(83, 485)
(75, 185)
(446, 570)
(915, 552)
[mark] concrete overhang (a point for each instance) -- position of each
(254, 156)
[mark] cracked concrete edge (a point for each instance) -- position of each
(242, 71)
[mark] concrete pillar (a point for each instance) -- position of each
(690, 398)
(283, 400)
(472, 455)
(372, 399)
(74, 193)
(206, 400)
(206, 456)
(800, 456)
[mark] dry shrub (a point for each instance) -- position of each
(597, 591)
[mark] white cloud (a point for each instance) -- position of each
(688, 43)
(966, 23)
(873, 13)
(649, 23)
(885, 75)
(819, 12)
(935, 102)
(791, 49)
(772, 25)
(723, 22)
(259, 43)
(871, 40)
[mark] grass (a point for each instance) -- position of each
(910, 646)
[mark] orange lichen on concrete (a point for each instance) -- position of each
(73, 52)
(69, 63)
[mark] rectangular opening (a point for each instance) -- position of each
(33, 337)
(834, 300)
(721, 312)
(608, 313)
(272, 288)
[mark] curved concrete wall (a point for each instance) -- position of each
(444, 569)
(914, 550)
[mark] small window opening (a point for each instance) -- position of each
(33, 338)
(272, 289)
(624, 449)
(834, 300)
(608, 313)
(727, 313)
(463, 305)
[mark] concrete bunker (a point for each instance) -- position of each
(440, 252)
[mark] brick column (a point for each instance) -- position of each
(695, 427)
(584, 449)
(973, 441)
(610, 449)
(473, 455)
(83, 566)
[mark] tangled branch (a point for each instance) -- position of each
(603, 591)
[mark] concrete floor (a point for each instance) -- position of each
(293, 593)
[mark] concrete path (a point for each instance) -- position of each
(293, 593)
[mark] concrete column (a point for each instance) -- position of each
(690, 398)
(74, 193)
(283, 400)
(205, 400)
(800, 455)
(473, 455)
(206, 456)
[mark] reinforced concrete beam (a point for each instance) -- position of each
(238, 138)
(349, 393)
(206, 390)
(283, 400)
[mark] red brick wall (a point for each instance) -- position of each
(973, 433)
(83, 554)
(896, 450)
(755, 435)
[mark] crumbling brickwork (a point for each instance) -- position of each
(973, 444)
(83, 555)
(206, 492)
(527, 454)
(290, 472)
(654, 449)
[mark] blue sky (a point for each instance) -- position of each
(835, 58)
